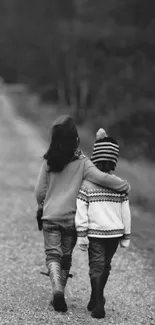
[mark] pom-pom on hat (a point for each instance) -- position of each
(101, 133)
(105, 148)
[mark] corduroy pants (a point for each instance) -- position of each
(101, 252)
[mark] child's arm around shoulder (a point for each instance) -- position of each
(93, 174)
(126, 219)
(81, 217)
(41, 184)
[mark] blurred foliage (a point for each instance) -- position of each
(95, 56)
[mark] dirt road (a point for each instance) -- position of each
(25, 294)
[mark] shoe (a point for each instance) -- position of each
(98, 312)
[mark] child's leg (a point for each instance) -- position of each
(69, 237)
(111, 245)
(52, 243)
(100, 257)
(96, 253)
(53, 250)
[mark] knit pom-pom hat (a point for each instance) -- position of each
(105, 148)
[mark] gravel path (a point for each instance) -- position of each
(25, 294)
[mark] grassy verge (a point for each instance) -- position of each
(141, 175)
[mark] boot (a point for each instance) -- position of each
(58, 300)
(91, 303)
(99, 301)
(64, 275)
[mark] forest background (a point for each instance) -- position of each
(95, 58)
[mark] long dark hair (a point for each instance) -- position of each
(63, 145)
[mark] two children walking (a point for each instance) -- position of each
(63, 171)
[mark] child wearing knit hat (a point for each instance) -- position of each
(102, 221)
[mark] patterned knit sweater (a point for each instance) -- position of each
(59, 191)
(102, 212)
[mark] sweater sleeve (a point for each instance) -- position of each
(126, 218)
(41, 185)
(93, 174)
(81, 217)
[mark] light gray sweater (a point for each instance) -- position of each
(59, 190)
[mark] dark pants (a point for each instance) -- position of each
(59, 243)
(101, 252)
